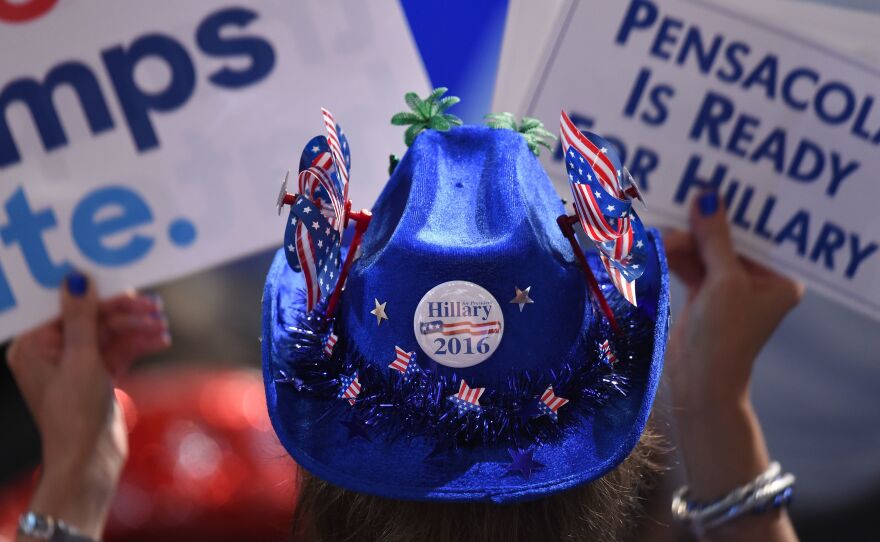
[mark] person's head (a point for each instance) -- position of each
(430, 394)
(606, 509)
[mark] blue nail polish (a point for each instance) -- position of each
(157, 300)
(708, 203)
(77, 283)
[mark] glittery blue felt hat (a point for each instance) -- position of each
(467, 359)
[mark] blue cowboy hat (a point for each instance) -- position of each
(466, 360)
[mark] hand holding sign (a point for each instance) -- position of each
(65, 372)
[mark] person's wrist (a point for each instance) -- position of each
(724, 433)
(79, 496)
(707, 412)
(700, 388)
(86, 444)
(102, 468)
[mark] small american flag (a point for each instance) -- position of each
(329, 344)
(550, 403)
(336, 149)
(317, 216)
(403, 363)
(459, 328)
(467, 399)
(351, 388)
(604, 206)
(606, 353)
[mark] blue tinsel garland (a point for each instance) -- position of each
(417, 406)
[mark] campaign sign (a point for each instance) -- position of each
(695, 97)
(140, 141)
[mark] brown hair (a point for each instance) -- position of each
(606, 509)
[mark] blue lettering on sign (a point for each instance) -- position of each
(261, 53)
(38, 98)
(720, 126)
(107, 226)
(26, 228)
(137, 105)
(833, 247)
(182, 232)
(90, 231)
(733, 62)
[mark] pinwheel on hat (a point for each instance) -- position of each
(603, 191)
(319, 213)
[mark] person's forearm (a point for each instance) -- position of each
(724, 448)
(78, 488)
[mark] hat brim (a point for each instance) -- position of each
(590, 446)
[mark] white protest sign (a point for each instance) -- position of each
(140, 141)
(697, 96)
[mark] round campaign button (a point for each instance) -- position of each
(458, 324)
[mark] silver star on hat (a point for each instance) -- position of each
(522, 298)
(379, 312)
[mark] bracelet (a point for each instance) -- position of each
(769, 490)
(42, 527)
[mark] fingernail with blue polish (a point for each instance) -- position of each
(156, 299)
(708, 203)
(77, 283)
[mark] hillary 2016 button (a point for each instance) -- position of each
(458, 324)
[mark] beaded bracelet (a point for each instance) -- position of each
(769, 490)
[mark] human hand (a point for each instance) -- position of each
(65, 372)
(733, 305)
(130, 326)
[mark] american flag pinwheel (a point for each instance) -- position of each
(603, 191)
(313, 233)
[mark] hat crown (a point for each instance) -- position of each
(472, 204)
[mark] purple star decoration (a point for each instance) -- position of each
(357, 428)
(529, 410)
(523, 462)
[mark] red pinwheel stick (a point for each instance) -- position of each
(362, 221)
(566, 224)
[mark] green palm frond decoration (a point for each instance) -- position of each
(532, 129)
(429, 113)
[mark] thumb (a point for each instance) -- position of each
(712, 234)
(79, 314)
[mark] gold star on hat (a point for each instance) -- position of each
(522, 298)
(379, 311)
